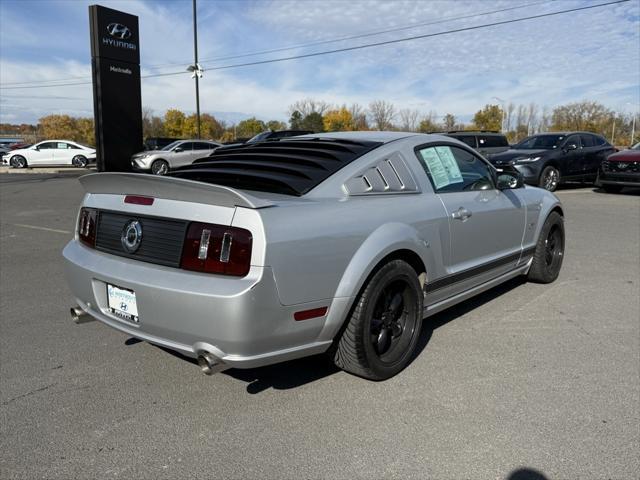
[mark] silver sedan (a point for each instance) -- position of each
(174, 155)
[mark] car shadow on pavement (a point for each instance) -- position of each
(526, 474)
(295, 373)
(625, 191)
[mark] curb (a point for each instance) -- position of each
(45, 170)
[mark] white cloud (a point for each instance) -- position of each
(591, 54)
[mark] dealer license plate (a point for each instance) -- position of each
(122, 303)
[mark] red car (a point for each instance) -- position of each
(620, 170)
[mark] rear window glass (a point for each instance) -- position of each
(493, 141)
(468, 139)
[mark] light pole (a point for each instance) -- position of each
(196, 69)
(503, 112)
(633, 122)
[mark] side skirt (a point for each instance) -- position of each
(461, 297)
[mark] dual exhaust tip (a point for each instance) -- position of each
(208, 363)
(78, 315)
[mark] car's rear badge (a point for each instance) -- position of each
(131, 236)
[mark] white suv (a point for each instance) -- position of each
(176, 154)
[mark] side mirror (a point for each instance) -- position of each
(36, 148)
(508, 179)
(178, 149)
(571, 146)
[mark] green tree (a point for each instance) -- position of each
(174, 123)
(339, 120)
(489, 118)
(428, 125)
(449, 121)
(250, 127)
(295, 122)
(275, 125)
(313, 122)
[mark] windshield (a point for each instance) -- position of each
(258, 138)
(636, 146)
(171, 146)
(544, 142)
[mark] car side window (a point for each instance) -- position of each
(575, 139)
(186, 146)
(468, 139)
(453, 169)
(587, 140)
(203, 146)
(47, 146)
(598, 140)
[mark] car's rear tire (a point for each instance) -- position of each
(549, 178)
(609, 188)
(547, 259)
(80, 161)
(380, 336)
(160, 167)
(18, 161)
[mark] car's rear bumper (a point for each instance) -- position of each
(239, 320)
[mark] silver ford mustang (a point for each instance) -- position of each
(340, 243)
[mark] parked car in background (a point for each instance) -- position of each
(176, 154)
(486, 142)
(51, 153)
(156, 143)
(619, 170)
(269, 136)
(548, 159)
(339, 242)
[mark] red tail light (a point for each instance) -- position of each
(87, 226)
(217, 249)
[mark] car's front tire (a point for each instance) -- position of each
(160, 167)
(18, 161)
(380, 336)
(549, 178)
(80, 161)
(549, 253)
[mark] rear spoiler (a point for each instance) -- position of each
(169, 188)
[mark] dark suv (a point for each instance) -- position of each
(484, 141)
(548, 159)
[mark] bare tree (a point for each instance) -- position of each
(409, 119)
(509, 116)
(382, 114)
(532, 118)
(307, 106)
(359, 117)
(449, 121)
(545, 120)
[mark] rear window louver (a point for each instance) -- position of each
(291, 167)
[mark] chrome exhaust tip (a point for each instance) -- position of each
(78, 315)
(210, 364)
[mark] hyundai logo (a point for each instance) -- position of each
(131, 236)
(118, 30)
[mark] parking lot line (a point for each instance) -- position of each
(34, 227)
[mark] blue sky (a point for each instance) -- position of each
(594, 54)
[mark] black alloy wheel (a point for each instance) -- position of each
(379, 337)
(549, 253)
(393, 322)
(549, 179)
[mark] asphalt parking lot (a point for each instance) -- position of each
(524, 380)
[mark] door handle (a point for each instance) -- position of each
(461, 214)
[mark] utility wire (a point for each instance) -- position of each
(304, 45)
(360, 47)
(369, 33)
